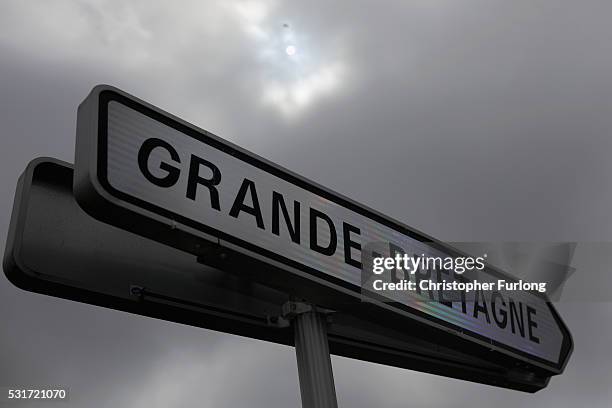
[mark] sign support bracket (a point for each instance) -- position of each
(309, 323)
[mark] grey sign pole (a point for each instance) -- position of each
(312, 351)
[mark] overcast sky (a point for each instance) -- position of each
(467, 119)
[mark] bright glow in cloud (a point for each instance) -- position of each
(292, 97)
(288, 84)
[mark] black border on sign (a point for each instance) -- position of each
(106, 96)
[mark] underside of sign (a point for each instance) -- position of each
(146, 171)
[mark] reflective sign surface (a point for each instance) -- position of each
(137, 159)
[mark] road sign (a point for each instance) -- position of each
(146, 171)
(55, 248)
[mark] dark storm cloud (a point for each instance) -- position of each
(471, 120)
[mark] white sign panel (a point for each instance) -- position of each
(134, 156)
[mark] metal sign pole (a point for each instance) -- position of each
(312, 352)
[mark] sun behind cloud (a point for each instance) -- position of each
(295, 71)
